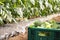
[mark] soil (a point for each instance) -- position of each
(57, 19)
(20, 36)
(12, 27)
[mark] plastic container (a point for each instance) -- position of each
(43, 34)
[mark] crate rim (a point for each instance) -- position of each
(34, 28)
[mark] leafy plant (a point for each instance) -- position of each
(12, 9)
(48, 24)
(9, 11)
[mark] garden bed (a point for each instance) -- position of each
(27, 12)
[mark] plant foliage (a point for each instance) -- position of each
(12, 9)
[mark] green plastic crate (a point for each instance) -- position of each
(48, 34)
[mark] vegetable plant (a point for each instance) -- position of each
(10, 10)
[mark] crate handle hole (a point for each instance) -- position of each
(43, 33)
